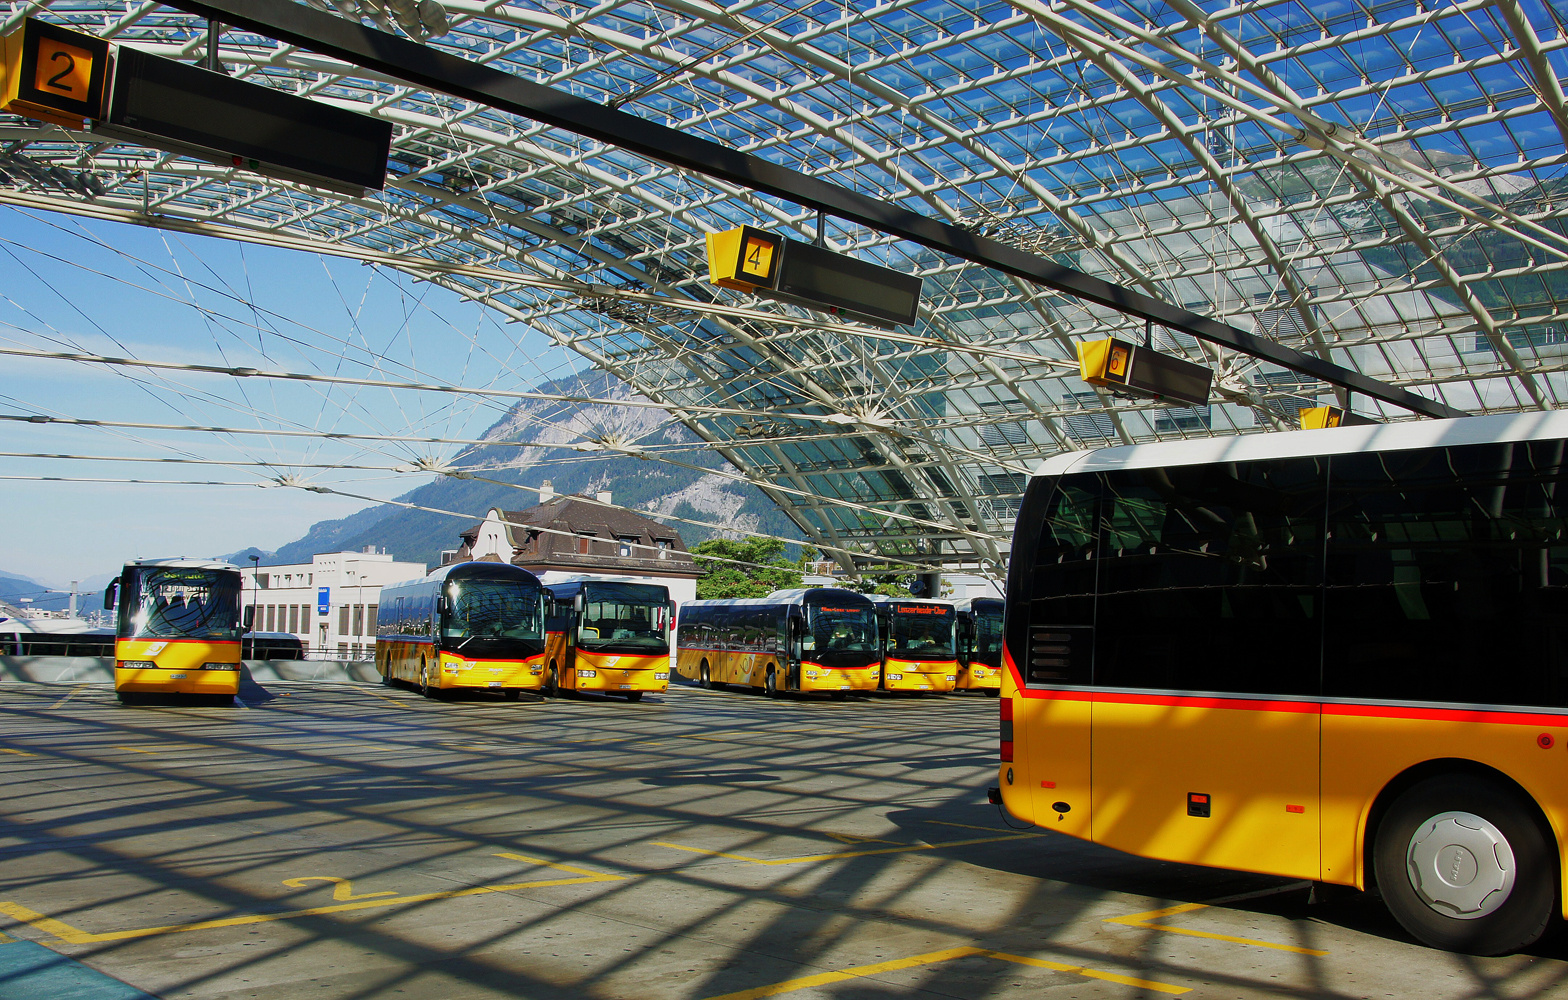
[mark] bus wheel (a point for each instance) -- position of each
(552, 687)
(703, 680)
(386, 680)
(128, 697)
(424, 680)
(1464, 865)
(770, 684)
(993, 692)
(511, 694)
(634, 696)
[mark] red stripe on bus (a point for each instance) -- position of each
(1523, 717)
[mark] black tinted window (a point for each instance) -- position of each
(1448, 576)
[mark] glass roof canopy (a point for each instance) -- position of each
(1382, 185)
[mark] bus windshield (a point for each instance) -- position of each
(491, 609)
(922, 632)
(168, 602)
(841, 629)
(627, 615)
(988, 634)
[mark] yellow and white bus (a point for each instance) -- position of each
(610, 636)
(178, 630)
(1337, 655)
(468, 626)
(980, 644)
(919, 644)
(815, 639)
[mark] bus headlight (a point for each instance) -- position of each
(587, 673)
(220, 666)
(136, 664)
(951, 678)
(895, 677)
(811, 673)
(661, 677)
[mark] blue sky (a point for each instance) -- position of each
(106, 288)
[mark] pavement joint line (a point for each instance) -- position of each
(63, 931)
(932, 958)
(900, 849)
(1145, 921)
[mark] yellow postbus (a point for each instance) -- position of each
(610, 636)
(474, 626)
(1337, 655)
(919, 644)
(979, 645)
(178, 630)
(815, 639)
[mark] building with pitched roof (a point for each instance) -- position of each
(570, 536)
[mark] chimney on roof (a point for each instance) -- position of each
(547, 492)
(603, 496)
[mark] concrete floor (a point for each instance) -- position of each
(349, 841)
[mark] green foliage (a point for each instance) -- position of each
(721, 580)
(883, 580)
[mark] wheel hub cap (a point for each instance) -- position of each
(1461, 865)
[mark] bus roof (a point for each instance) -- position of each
(884, 599)
(474, 567)
(798, 595)
(184, 564)
(1403, 436)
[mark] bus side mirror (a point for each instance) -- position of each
(109, 594)
(440, 603)
(250, 617)
(577, 602)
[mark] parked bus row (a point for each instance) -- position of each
(495, 627)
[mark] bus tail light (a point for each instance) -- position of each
(1007, 730)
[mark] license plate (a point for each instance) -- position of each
(626, 687)
(176, 677)
(495, 684)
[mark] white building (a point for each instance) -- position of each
(330, 602)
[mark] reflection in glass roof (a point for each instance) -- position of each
(1379, 184)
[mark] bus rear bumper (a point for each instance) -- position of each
(616, 681)
(827, 679)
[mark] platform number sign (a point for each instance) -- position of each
(756, 259)
(54, 74)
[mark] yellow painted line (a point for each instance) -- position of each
(19, 753)
(5, 939)
(931, 958)
(139, 749)
(1143, 920)
(969, 826)
(903, 848)
(1110, 977)
(74, 935)
(389, 701)
(554, 864)
(74, 692)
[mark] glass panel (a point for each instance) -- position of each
(1448, 576)
(1210, 578)
(170, 603)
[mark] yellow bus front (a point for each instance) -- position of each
(938, 676)
(978, 676)
(491, 673)
(820, 677)
(619, 673)
(177, 666)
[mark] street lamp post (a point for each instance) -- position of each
(255, 592)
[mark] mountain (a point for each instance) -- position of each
(655, 487)
(14, 587)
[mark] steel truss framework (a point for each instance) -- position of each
(1378, 184)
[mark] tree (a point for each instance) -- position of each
(766, 571)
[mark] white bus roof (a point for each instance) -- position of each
(1331, 441)
(185, 564)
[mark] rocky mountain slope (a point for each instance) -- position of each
(655, 487)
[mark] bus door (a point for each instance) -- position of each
(794, 652)
(1208, 621)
